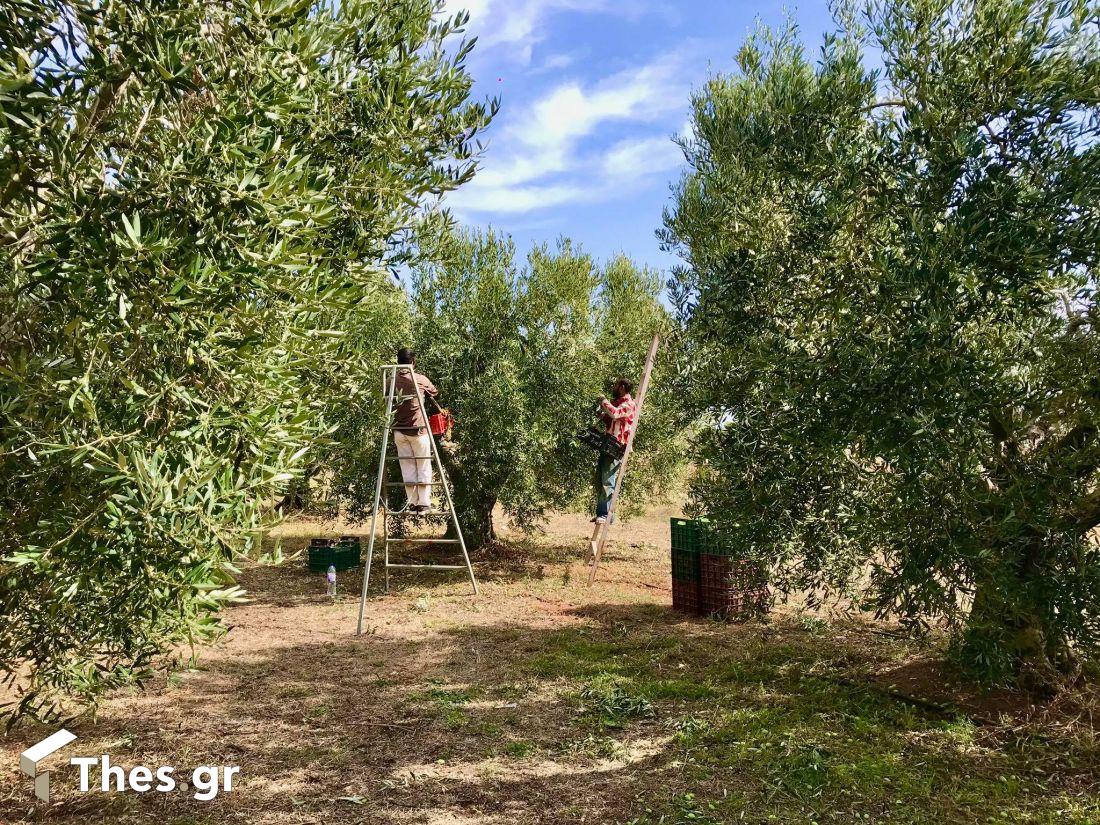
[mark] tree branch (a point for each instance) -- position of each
(1089, 514)
(882, 104)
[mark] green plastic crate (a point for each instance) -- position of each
(705, 539)
(685, 550)
(350, 553)
(714, 544)
(344, 555)
(690, 535)
(685, 566)
(681, 529)
(698, 536)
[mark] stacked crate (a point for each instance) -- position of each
(731, 587)
(686, 595)
(343, 554)
(709, 579)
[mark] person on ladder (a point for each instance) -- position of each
(410, 434)
(619, 416)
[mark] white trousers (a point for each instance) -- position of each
(415, 472)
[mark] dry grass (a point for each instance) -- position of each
(544, 700)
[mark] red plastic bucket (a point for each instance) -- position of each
(440, 423)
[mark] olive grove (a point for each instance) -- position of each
(520, 354)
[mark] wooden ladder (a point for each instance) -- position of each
(600, 532)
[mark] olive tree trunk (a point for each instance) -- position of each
(475, 515)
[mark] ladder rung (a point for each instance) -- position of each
(431, 566)
(393, 540)
(412, 483)
(408, 457)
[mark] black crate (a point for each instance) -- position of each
(343, 555)
(686, 597)
(685, 566)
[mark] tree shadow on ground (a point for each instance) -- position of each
(621, 709)
(520, 558)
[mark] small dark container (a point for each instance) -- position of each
(343, 554)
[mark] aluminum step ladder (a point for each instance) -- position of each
(439, 480)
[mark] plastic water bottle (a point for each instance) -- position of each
(331, 576)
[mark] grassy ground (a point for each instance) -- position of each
(544, 700)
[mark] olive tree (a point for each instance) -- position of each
(199, 205)
(520, 354)
(889, 299)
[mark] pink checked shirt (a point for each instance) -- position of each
(619, 416)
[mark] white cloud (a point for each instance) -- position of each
(553, 152)
(555, 62)
(569, 111)
(548, 153)
(521, 169)
(519, 25)
(478, 9)
(644, 156)
(515, 199)
(545, 137)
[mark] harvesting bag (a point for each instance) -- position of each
(602, 442)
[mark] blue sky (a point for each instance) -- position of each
(592, 92)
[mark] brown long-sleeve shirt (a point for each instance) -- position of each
(408, 417)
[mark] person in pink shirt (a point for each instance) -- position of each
(618, 415)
